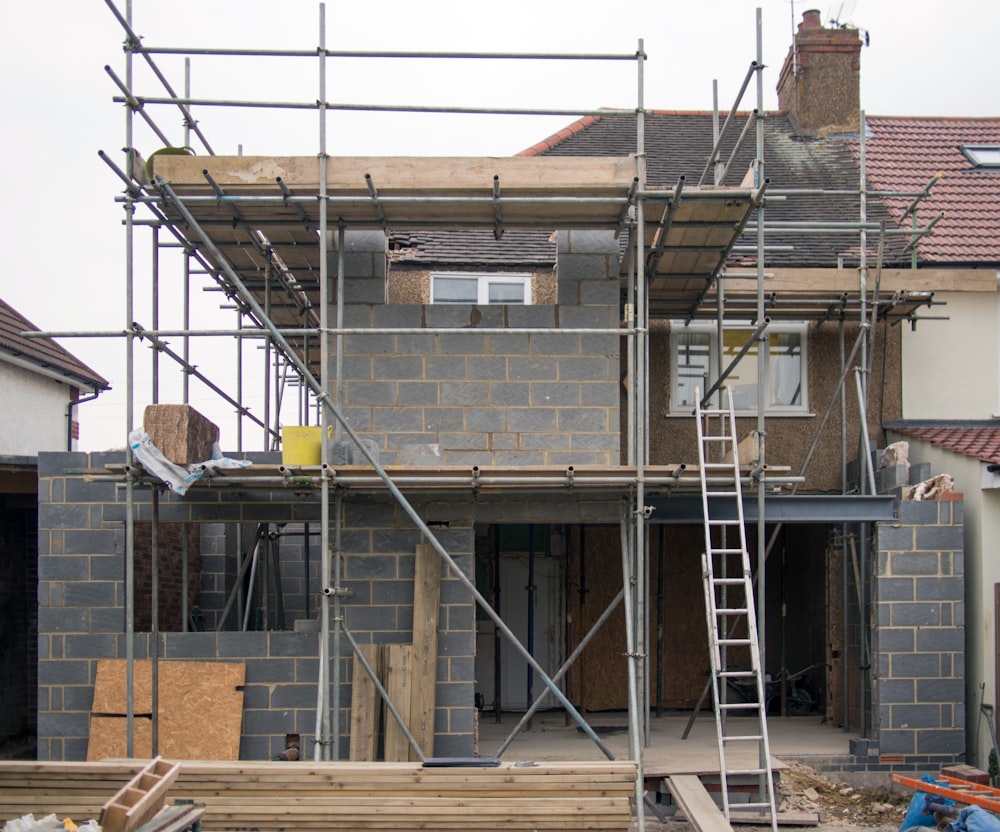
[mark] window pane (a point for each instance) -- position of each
(455, 290)
(506, 293)
(785, 365)
(693, 356)
(743, 379)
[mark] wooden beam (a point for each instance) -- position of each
(701, 810)
(399, 685)
(366, 706)
(833, 281)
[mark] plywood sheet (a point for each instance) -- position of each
(399, 686)
(200, 709)
(366, 706)
(426, 609)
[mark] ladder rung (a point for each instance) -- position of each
(726, 465)
(712, 437)
(724, 523)
(739, 706)
(736, 674)
(726, 551)
(757, 805)
(727, 581)
(731, 611)
(721, 493)
(750, 738)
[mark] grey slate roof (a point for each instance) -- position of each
(43, 352)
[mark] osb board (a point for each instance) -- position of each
(200, 707)
(109, 740)
(599, 679)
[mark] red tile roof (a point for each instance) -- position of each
(904, 154)
(982, 443)
(43, 352)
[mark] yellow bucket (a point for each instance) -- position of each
(301, 445)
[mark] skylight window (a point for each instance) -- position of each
(982, 155)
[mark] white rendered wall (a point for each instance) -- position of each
(33, 412)
(950, 368)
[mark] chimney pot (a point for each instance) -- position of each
(811, 20)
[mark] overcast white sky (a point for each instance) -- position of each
(65, 252)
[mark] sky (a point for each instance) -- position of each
(64, 261)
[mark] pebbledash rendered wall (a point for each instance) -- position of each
(440, 398)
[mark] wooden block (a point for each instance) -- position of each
(399, 686)
(181, 433)
(140, 799)
(366, 706)
(426, 609)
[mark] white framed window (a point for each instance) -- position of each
(982, 155)
(481, 288)
(694, 361)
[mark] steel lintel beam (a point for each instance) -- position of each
(780, 508)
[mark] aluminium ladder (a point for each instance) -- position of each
(729, 606)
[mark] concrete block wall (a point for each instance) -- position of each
(81, 599)
(918, 643)
(470, 398)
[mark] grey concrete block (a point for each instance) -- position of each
(239, 645)
(941, 691)
(544, 441)
(532, 368)
(897, 691)
(371, 393)
(942, 639)
(601, 292)
(940, 538)
(63, 568)
(915, 615)
(588, 317)
(398, 367)
(917, 666)
(460, 720)
(897, 640)
(897, 741)
(453, 745)
(485, 419)
(468, 394)
(895, 537)
(536, 316)
(487, 367)
(448, 315)
(64, 672)
(375, 343)
(63, 516)
(90, 646)
(90, 594)
(63, 620)
(941, 742)
(446, 367)
(588, 242)
(463, 442)
(417, 343)
(366, 289)
(581, 266)
(293, 696)
(270, 671)
(555, 344)
(532, 420)
(606, 345)
(916, 716)
(555, 394)
(57, 463)
(913, 563)
(896, 589)
(589, 368)
(417, 393)
(191, 646)
(595, 441)
(387, 593)
(456, 643)
(568, 291)
(514, 343)
(370, 567)
(397, 419)
(398, 316)
(461, 343)
(919, 512)
(940, 589)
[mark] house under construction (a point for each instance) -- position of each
(516, 509)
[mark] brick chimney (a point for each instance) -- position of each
(819, 85)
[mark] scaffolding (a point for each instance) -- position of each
(269, 246)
